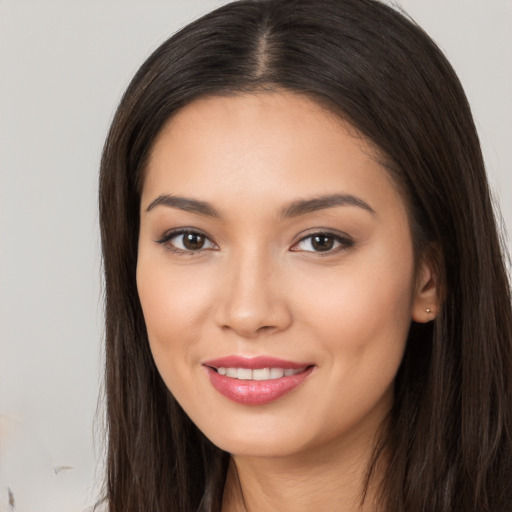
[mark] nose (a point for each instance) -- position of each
(253, 298)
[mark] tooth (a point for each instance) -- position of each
(261, 374)
(258, 374)
(276, 373)
(244, 374)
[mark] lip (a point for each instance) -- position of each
(253, 362)
(255, 392)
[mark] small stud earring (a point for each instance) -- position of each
(428, 310)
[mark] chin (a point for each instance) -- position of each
(257, 446)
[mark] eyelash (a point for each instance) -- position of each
(166, 241)
(344, 242)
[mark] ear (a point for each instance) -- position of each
(426, 296)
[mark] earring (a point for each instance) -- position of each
(428, 310)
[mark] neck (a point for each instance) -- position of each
(333, 478)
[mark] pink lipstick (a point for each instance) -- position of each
(255, 380)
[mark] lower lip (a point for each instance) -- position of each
(256, 392)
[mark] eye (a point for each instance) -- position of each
(187, 241)
(323, 242)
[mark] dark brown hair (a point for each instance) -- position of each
(450, 434)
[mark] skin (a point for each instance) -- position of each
(259, 287)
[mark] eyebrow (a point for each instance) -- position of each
(183, 203)
(294, 209)
(305, 206)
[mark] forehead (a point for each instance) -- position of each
(275, 145)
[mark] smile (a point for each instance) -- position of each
(259, 373)
(255, 380)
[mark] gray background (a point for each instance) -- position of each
(63, 67)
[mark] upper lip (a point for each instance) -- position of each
(253, 362)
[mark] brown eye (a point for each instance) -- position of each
(322, 242)
(193, 241)
(187, 241)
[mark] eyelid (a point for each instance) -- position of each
(342, 238)
(173, 233)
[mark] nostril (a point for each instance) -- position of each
(265, 328)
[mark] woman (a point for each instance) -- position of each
(306, 301)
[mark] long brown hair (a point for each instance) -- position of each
(450, 434)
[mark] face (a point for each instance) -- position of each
(275, 273)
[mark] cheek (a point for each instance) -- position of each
(174, 307)
(170, 294)
(358, 319)
(362, 312)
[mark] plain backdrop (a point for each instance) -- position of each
(63, 67)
